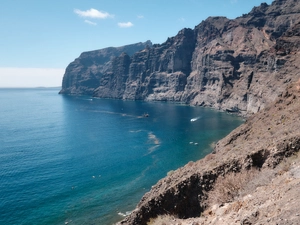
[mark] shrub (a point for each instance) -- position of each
(228, 188)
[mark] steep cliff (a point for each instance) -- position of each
(262, 160)
(259, 162)
(157, 73)
(247, 65)
(82, 76)
(236, 65)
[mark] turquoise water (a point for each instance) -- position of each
(79, 160)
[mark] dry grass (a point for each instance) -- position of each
(235, 185)
(228, 188)
(287, 163)
(259, 179)
(163, 220)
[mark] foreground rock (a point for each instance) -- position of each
(268, 143)
(236, 65)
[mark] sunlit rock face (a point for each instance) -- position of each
(238, 65)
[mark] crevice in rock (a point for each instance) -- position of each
(259, 158)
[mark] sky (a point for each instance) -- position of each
(38, 39)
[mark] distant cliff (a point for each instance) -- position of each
(83, 75)
(236, 65)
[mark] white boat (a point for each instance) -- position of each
(196, 118)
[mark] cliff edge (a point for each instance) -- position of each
(253, 174)
(252, 177)
(250, 66)
(82, 76)
(238, 65)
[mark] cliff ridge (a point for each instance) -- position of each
(250, 66)
(237, 65)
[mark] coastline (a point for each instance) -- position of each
(183, 194)
(72, 170)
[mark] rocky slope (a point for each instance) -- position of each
(236, 65)
(268, 143)
(265, 147)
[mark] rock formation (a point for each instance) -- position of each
(83, 75)
(269, 142)
(236, 65)
(264, 66)
(246, 65)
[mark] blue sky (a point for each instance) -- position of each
(42, 37)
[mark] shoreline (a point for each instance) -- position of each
(183, 194)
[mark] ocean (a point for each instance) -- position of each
(81, 160)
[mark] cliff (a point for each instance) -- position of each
(82, 76)
(253, 174)
(237, 65)
(249, 65)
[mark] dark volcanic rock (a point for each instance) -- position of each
(84, 75)
(235, 65)
(113, 84)
(157, 73)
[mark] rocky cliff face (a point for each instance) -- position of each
(267, 145)
(247, 65)
(83, 75)
(157, 73)
(236, 65)
(261, 74)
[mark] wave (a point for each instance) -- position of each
(87, 99)
(115, 113)
(136, 131)
(153, 139)
(152, 149)
(124, 214)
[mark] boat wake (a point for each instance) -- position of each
(135, 131)
(152, 149)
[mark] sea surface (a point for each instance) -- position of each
(78, 160)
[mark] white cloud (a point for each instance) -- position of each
(93, 13)
(140, 16)
(90, 22)
(181, 20)
(125, 25)
(31, 77)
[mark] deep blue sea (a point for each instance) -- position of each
(78, 160)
